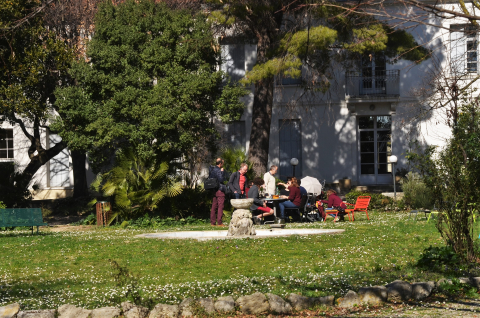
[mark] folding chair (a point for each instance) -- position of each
(360, 206)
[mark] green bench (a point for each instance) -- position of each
(21, 217)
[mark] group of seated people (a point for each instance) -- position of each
(293, 192)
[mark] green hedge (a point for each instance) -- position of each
(377, 199)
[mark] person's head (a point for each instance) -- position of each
(294, 182)
(243, 168)
(273, 169)
(258, 181)
(330, 192)
(289, 179)
(250, 183)
(219, 162)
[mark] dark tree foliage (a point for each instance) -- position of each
(150, 80)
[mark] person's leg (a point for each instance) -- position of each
(213, 210)
(237, 195)
(282, 210)
(221, 204)
(286, 204)
(289, 204)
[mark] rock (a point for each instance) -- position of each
(475, 281)
(442, 282)
(375, 295)
(253, 304)
(186, 307)
(399, 291)
(70, 311)
(50, 313)
(350, 299)
(163, 311)
(325, 301)
(126, 306)
(278, 305)
(300, 302)
(132, 311)
(464, 280)
(241, 223)
(207, 304)
(106, 312)
(421, 291)
(225, 304)
(9, 311)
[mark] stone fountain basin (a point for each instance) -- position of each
(222, 235)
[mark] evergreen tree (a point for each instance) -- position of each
(151, 80)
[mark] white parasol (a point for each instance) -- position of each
(312, 185)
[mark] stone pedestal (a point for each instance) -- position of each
(241, 223)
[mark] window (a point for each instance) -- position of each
(6, 143)
(235, 134)
(233, 61)
(290, 144)
(464, 49)
(375, 144)
(59, 166)
(373, 74)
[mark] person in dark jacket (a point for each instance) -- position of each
(259, 208)
(333, 201)
(238, 182)
(218, 202)
(294, 197)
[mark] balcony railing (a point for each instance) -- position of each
(378, 84)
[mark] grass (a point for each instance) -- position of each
(53, 268)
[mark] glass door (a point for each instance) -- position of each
(373, 74)
(375, 138)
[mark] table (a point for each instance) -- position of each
(275, 203)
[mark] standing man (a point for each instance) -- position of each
(238, 181)
(269, 178)
(219, 196)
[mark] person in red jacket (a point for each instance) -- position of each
(294, 197)
(333, 201)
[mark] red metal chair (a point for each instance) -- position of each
(360, 206)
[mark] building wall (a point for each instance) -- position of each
(330, 146)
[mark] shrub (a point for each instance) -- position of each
(416, 193)
(438, 256)
(377, 200)
(156, 222)
(72, 206)
(194, 202)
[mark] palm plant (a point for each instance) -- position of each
(233, 157)
(136, 184)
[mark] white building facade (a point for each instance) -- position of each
(371, 111)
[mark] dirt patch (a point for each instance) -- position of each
(66, 228)
(63, 219)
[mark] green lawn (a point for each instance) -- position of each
(43, 271)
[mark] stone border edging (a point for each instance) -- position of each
(257, 303)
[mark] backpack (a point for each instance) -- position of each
(211, 184)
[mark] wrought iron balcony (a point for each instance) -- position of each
(378, 84)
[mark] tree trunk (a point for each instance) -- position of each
(261, 122)
(36, 162)
(80, 186)
(261, 112)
